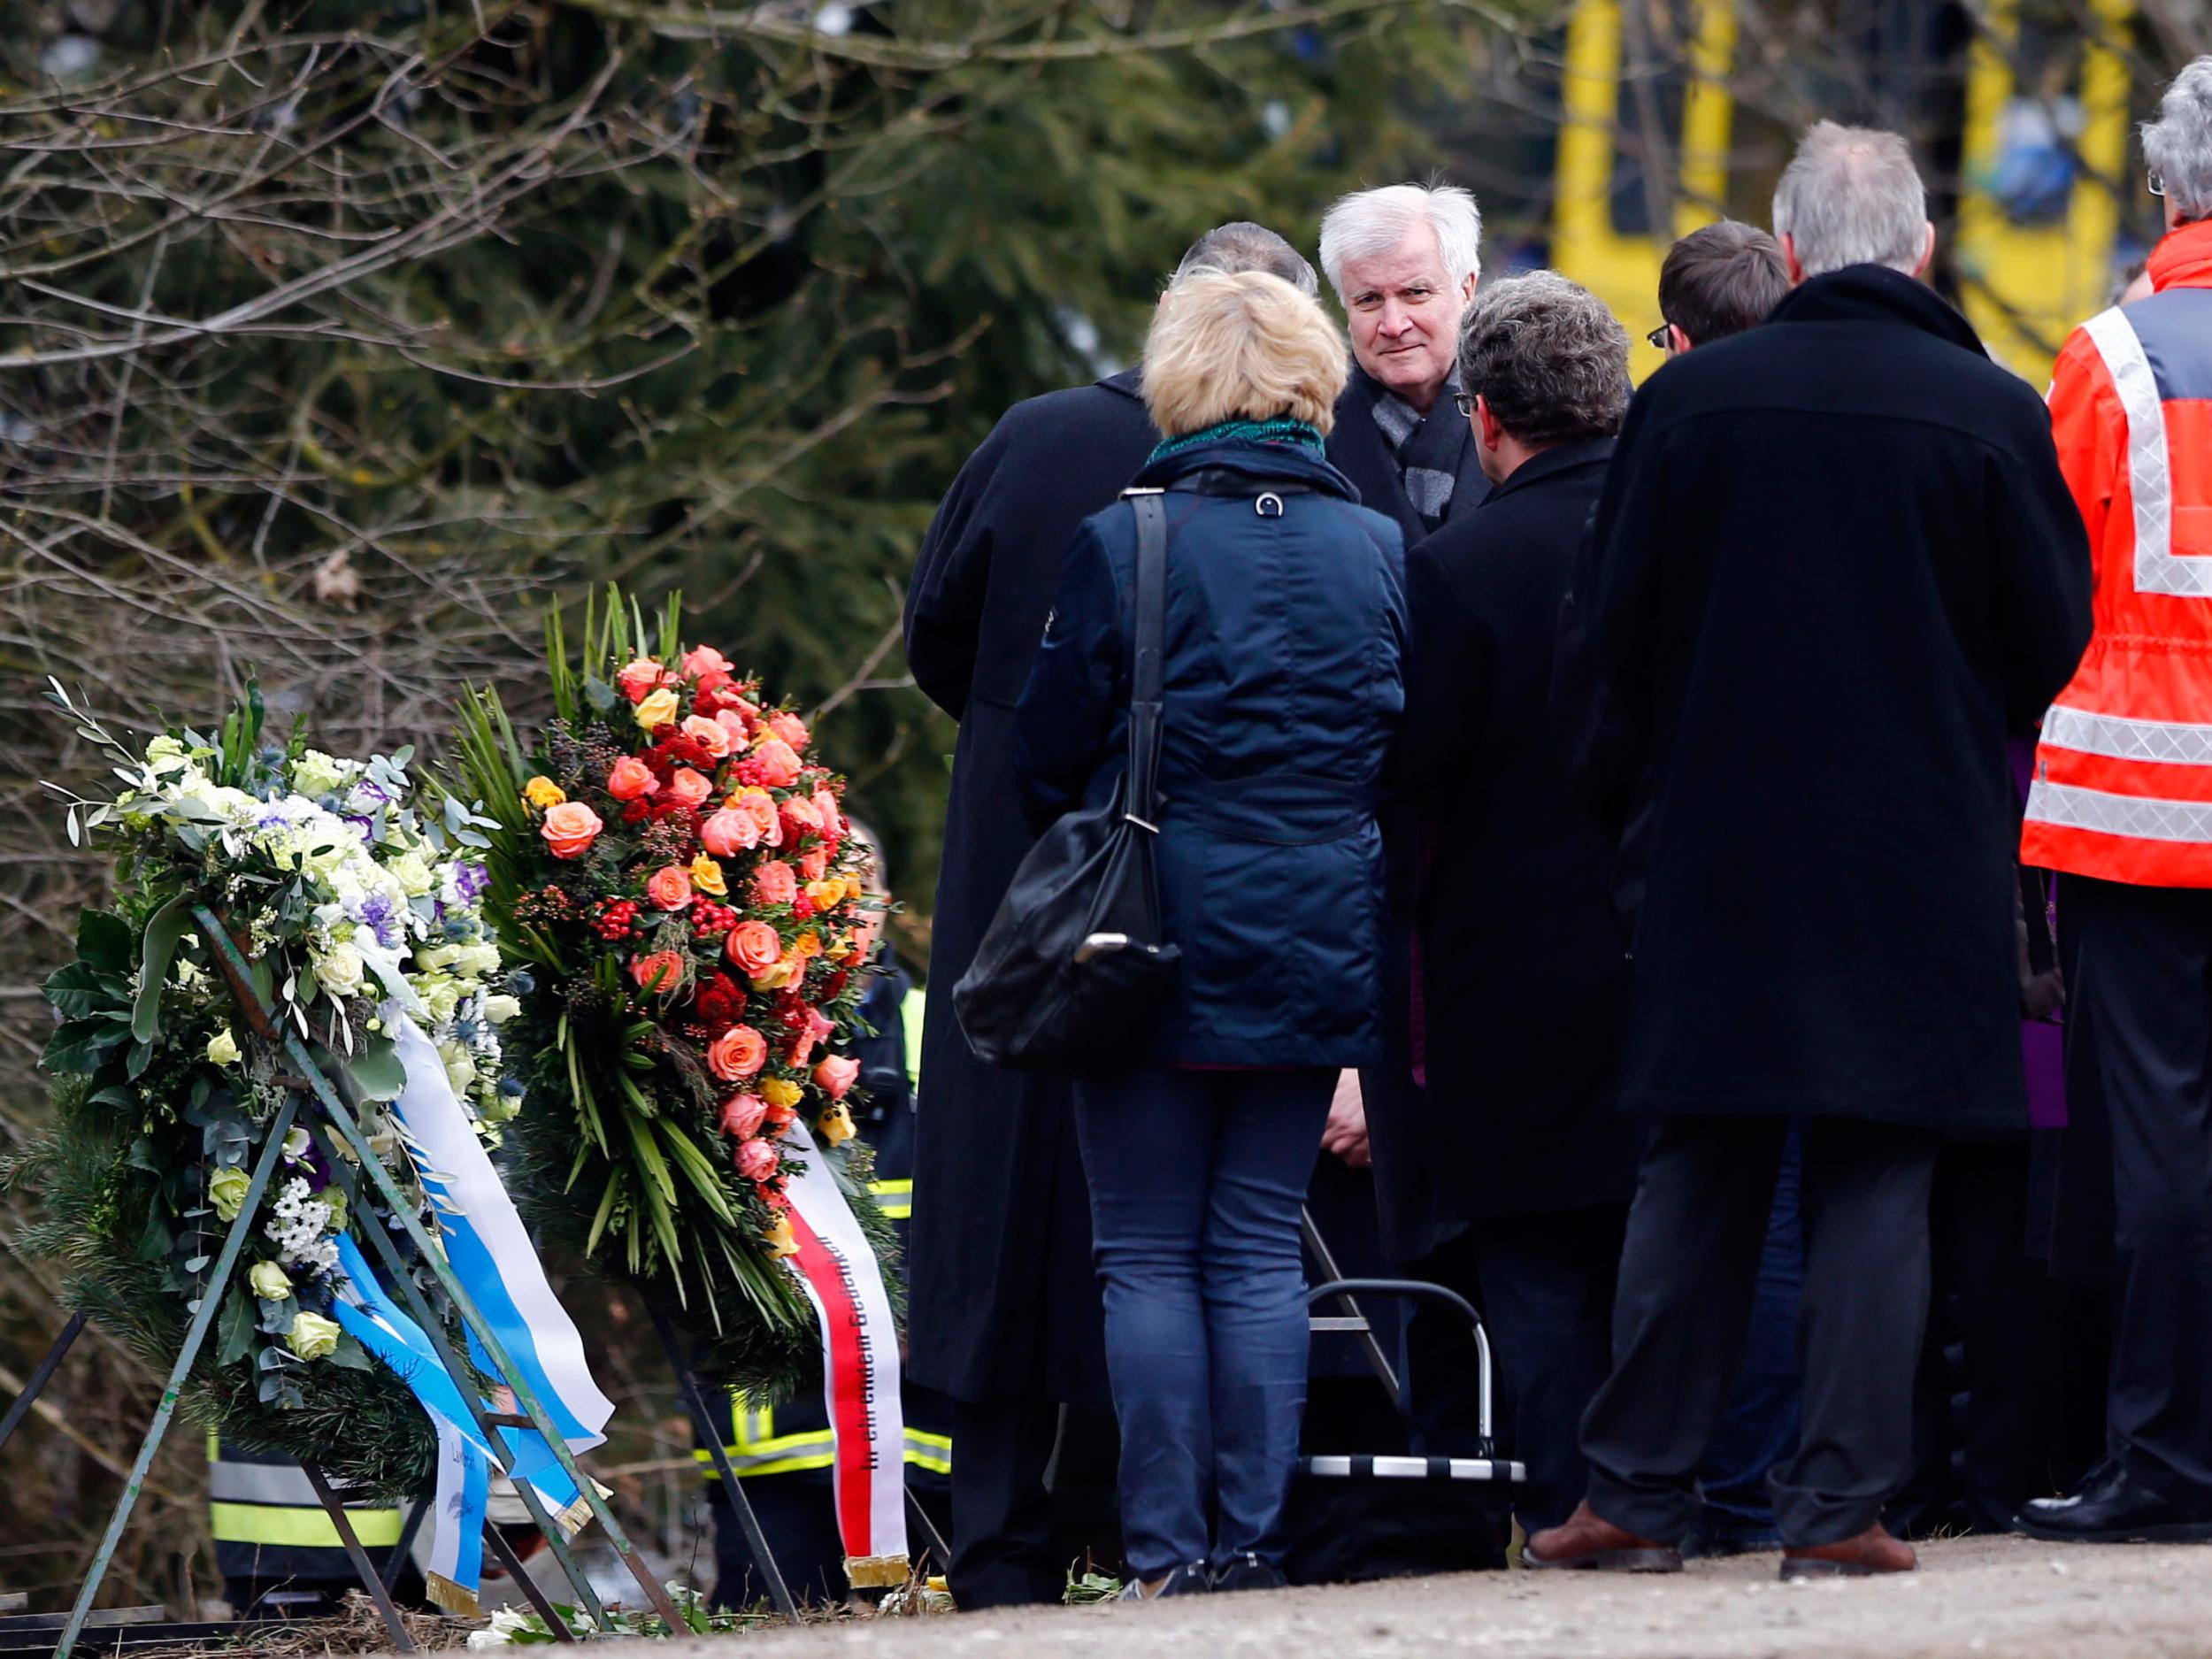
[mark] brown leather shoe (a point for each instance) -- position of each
(1872, 1551)
(1586, 1540)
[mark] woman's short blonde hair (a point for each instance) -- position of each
(1246, 347)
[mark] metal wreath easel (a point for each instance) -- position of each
(307, 1084)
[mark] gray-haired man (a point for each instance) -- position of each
(1834, 569)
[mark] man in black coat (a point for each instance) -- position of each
(1516, 1175)
(1835, 566)
(1404, 260)
(1004, 1311)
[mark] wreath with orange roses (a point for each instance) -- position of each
(673, 869)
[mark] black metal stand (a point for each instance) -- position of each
(713, 1436)
(40, 1377)
(363, 1567)
(521, 1574)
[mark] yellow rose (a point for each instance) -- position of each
(779, 1238)
(269, 1281)
(779, 975)
(706, 875)
(780, 1091)
(827, 893)
(836, 1124)
(227, 1191)
(657, 708)
(312, 1336)
(542, 792)
(855, 887)
(807, 944)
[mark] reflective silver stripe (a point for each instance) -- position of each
(261, 1483)
(2173, 742)
(2140, 817)
(2158, 568)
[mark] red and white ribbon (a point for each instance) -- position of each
(860, 1368)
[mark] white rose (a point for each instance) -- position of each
(500, 1010)
(460, 1070)
(478, 961)
(339, 970)
(317, 774)
(437, 958)
(412, 872)
(222, 1048)
(442, 999)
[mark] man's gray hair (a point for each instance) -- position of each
(1369, 222)
(1241, 246)
(1851, 196)
(2177, 145)
(1548, 355)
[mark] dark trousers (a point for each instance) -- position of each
(1759, 1427)
(2140, 1022)
(1004, 1551)
(1196, 1179)
(1543, 1284)
(1689, 1272)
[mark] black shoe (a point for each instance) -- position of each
(1191, 1578)
(1247, 1572)
(2114, 1512)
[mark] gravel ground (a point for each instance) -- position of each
(1999, 1596)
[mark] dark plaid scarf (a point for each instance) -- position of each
(1426, 450)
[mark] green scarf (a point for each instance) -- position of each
(1281, 430)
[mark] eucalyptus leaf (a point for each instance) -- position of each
(234, 1328)
(163, 934)
(376, 1071)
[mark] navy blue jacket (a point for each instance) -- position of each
(1284, 645)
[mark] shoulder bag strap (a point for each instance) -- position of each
(1145, 678)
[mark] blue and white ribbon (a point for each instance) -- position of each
(491, 1255)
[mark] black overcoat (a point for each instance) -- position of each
(1835, 565)
(1003, 1297)
(1523, 968)
(1357, 450)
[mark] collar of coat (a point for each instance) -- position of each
(1259, 462)
(2182, 259)
(1548, 464)
(1129, 382)
(1876, 294)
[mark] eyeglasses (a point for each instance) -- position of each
(1660, 337)
(1464, 401)
(2157, 185)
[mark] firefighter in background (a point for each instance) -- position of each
(784, 1453)
(277, 1549)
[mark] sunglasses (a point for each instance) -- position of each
(1661, 336)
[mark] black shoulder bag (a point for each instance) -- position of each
(1073, 973)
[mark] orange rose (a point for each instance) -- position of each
(789, 727)
(754, 948)
(570, 829)
(729, 833)
(814, 865)
(669, 889)
(631, 777)
(737, 1054)
(702, 660)
(774, 884)
(741, 1115)
(835, 1075)
(659, 971)
(690, 787)
(825, 809)
(639, 677)
(779, 764)
(706, 734)
(827, 895)
(760, 806)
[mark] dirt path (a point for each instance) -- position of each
(1997, 1596)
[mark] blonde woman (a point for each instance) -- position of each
(1286, 627)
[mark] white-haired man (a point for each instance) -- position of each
(2119, 808)
(1404, 260)
(1835, 567)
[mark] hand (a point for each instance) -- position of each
(1345, 1134)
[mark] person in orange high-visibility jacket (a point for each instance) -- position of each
(2121, 806)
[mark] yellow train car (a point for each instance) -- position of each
(2043, 199)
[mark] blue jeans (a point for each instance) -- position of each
(1196, 1178)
